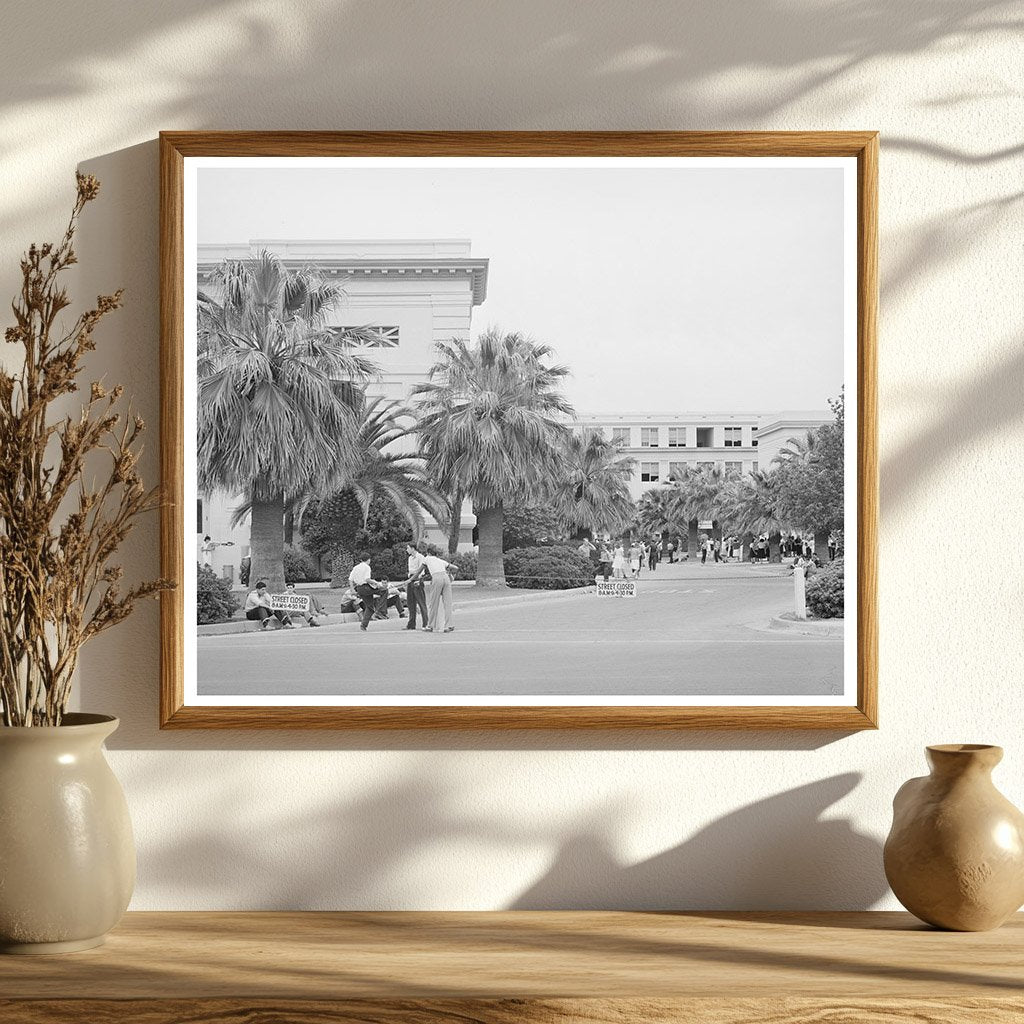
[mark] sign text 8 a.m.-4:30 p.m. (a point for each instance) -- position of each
(616, 588)
(289, 603)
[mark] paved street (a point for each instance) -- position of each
(692, 630)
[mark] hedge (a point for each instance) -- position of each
(560, 567)
(299, 567)
(825, 592)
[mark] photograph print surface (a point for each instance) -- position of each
(520, 431)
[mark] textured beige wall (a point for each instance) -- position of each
(629, 820)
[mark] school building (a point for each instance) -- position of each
(417, 292)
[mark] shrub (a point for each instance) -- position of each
(549, 568)
(384, 567)
(299, 567)
(825, 592)
(214, 600)
(465, 562)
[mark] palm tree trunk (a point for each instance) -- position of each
(748, 544)
(692, 539)
(821, 546)
(490, 571)
(455, 526)
(289, 527)
(775, 546)
(266, 538)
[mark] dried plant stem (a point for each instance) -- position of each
(58, 587)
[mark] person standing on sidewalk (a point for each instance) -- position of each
(415, 589)
(654, 555)
(439, 593)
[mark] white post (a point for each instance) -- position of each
(799, 593)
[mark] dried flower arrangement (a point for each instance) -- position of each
(58, 588)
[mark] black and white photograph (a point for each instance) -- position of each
(520, 431)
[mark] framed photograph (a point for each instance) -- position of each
(519, 430)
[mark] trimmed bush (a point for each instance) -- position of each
(299, 567)
(560, 567)
(465, 562)
(825, 592)
(214, 600)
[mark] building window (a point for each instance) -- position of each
(705, 437)
(620, 435)
(733, 437)
(733, 468)
(755, 464)
(677, 437)
(648, 472)
(676, 470)
(367, 335)
(648, 437)
(753, 437)
(199, 515)
(705, 465)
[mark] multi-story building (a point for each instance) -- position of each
(415, 293)
(412, 292)
(662, 444)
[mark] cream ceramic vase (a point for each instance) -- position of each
(67, 855)
(955, 855)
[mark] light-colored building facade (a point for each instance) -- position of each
(662, 444)
(413, 293)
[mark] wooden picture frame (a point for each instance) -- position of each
(178, 147)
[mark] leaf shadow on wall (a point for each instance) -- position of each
(402, 843)
(777, 853)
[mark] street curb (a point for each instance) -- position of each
(236, 626)
(809, 627)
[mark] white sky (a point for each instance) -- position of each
(697, 289)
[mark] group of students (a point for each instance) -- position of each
(625, 560)
(428, 590)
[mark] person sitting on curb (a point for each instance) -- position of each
(314, 605)
(257, 608)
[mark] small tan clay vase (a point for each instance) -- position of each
(67, 856)
(955, 854)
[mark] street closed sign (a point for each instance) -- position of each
(289, 603)
(617, 588)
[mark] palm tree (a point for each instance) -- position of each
(278, 394)
(381, 467)
(657, 512)
(492, 427)
(698, 492)
(803, 454)
(593, 494)
(750, 503)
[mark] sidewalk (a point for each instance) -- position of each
(466, 595)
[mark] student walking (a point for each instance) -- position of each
(374, 597)
(635, 556)
(654, 557)
(605, 562)
(619, 562)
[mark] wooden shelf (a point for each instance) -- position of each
(509, 968)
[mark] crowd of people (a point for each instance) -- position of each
(628, 557)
